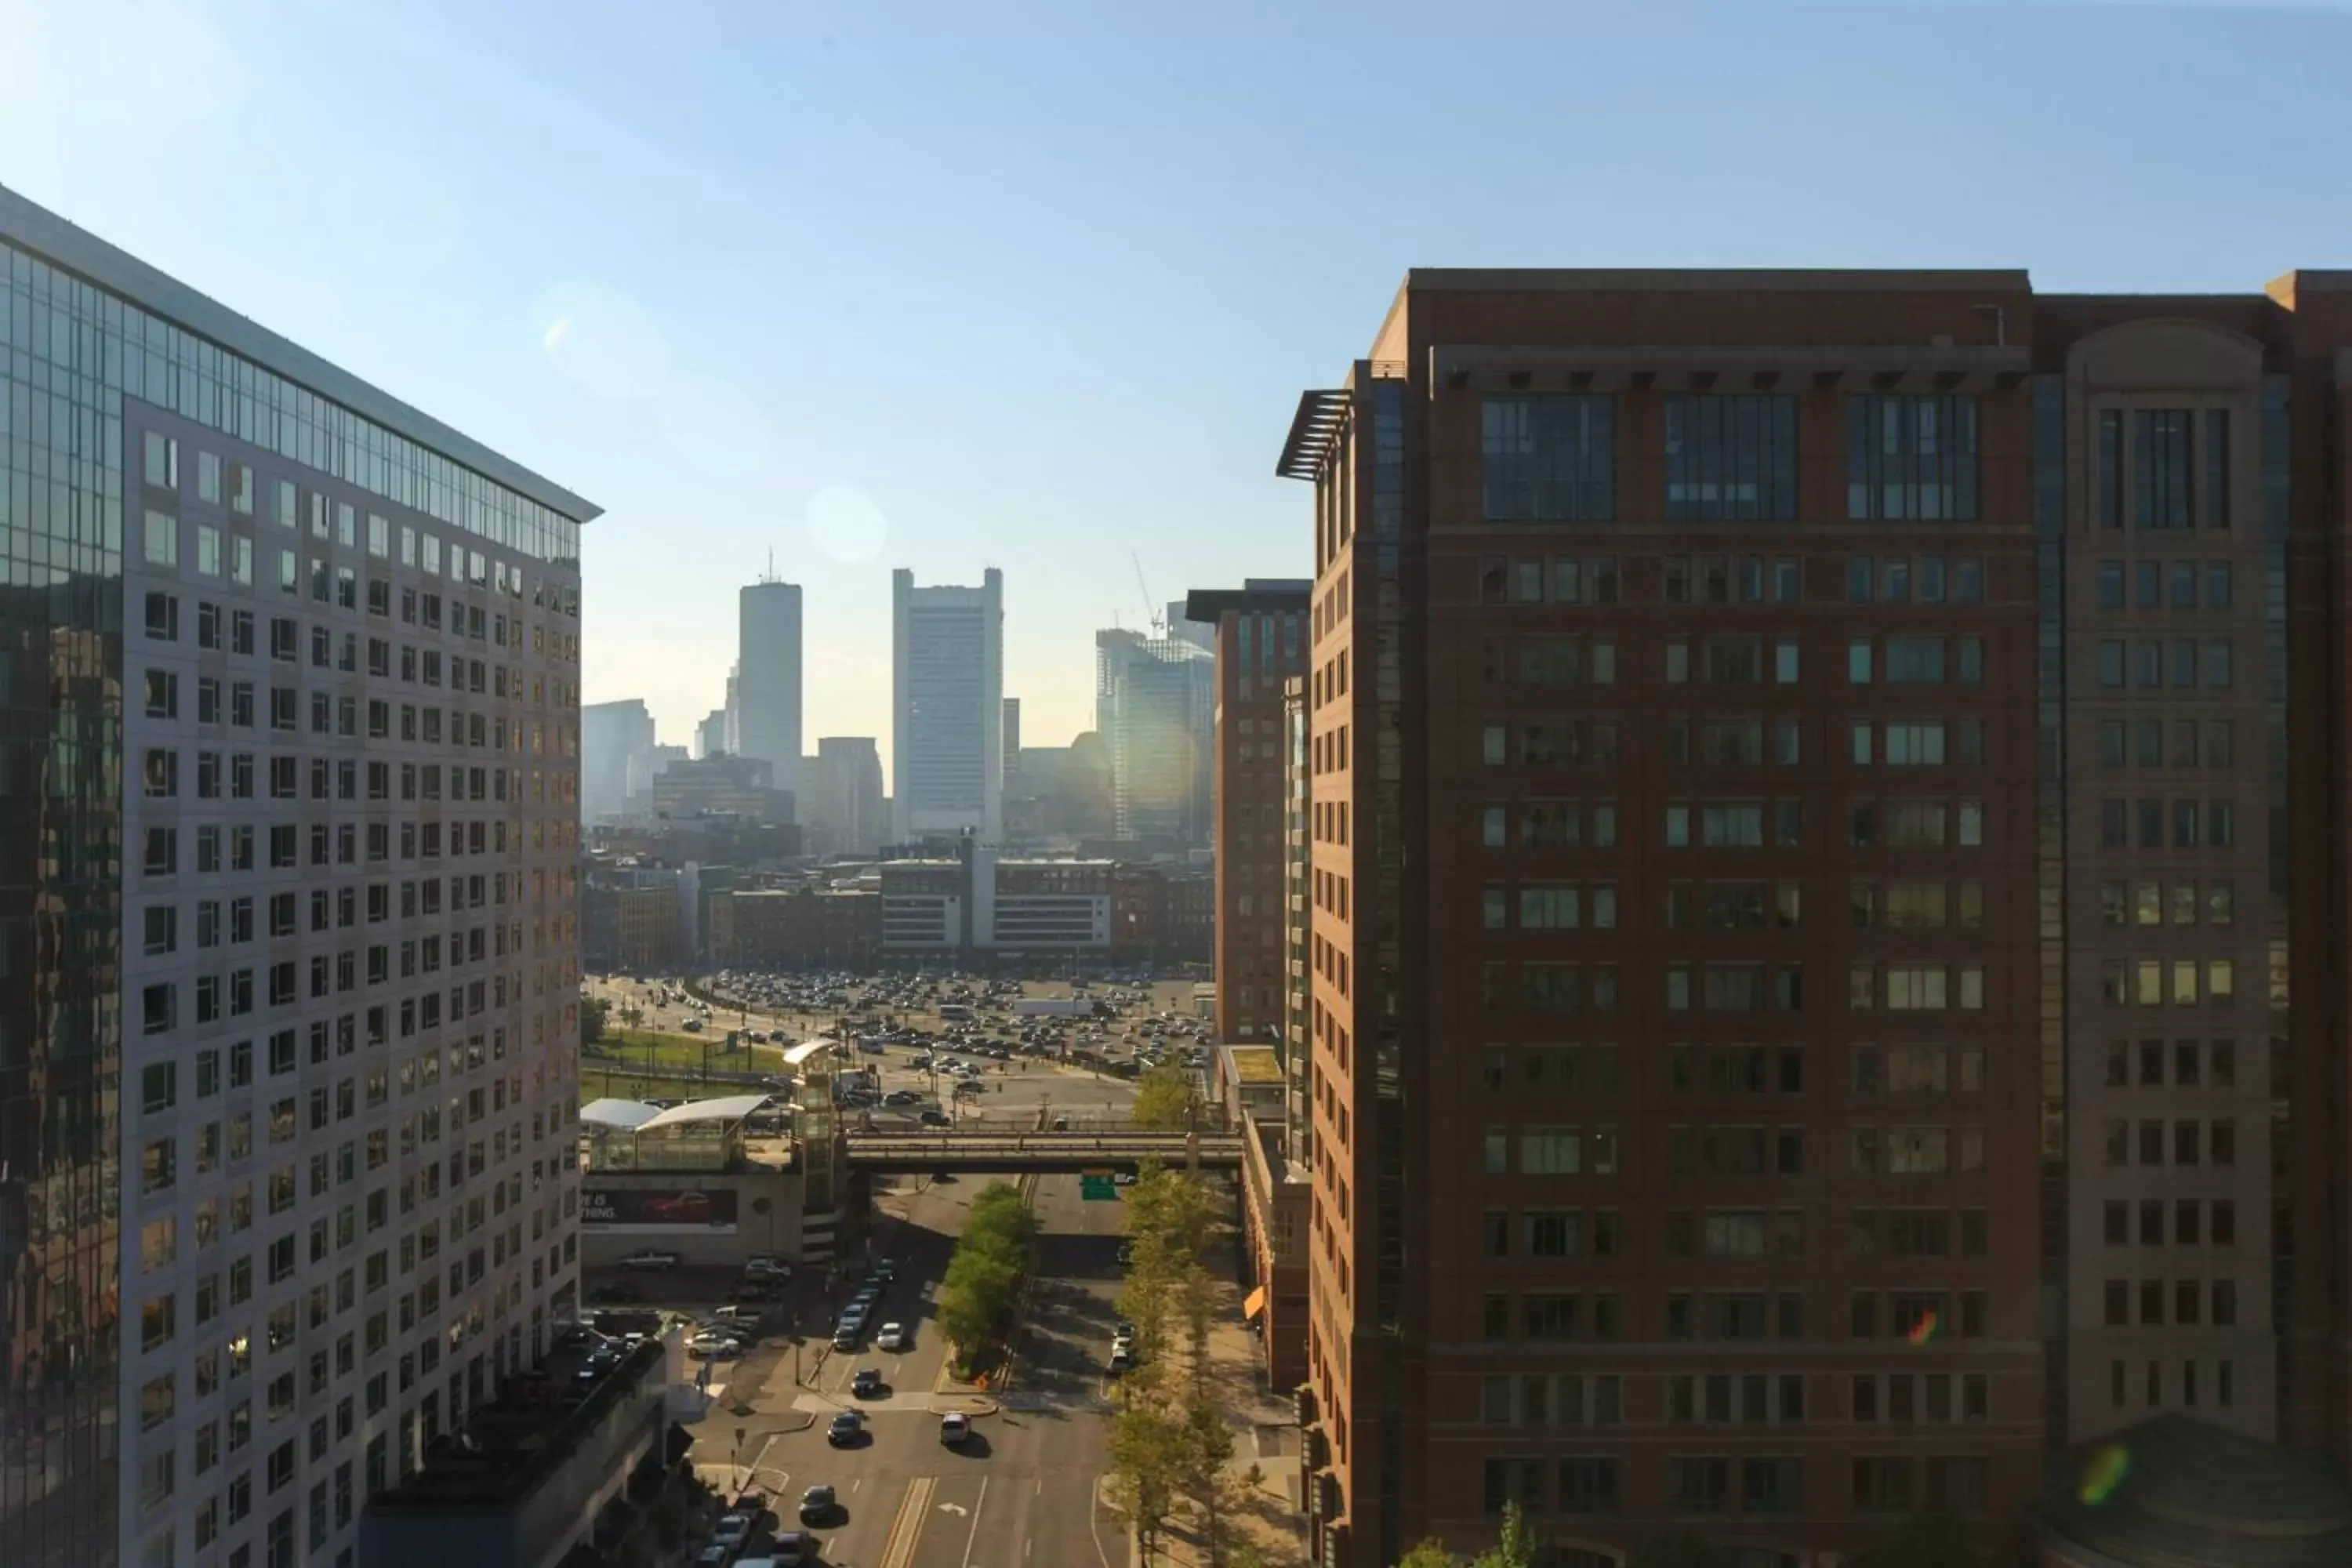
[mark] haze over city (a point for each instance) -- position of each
(1028, 289)
(1229, 786)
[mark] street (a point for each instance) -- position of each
(1021, 1489)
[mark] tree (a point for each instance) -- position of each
(593, 1010)
(1676, 1548)
(1165, 1100)
(1516, 1549)
(982, 1283)
(1430, 1554)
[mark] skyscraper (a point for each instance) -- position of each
(1155, 703)
(1012, 746)
(616, 747)
(947, 673)
(768, 678)
(710, 735)
(845, 804)
(335, 645)
(1823, 788)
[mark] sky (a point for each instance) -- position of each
(1037, 286)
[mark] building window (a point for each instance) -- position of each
(1731, 458)
(2160, 467)
(1548, 460)
(1911, 458)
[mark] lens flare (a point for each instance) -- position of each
(2102, 1474)
(1924, 1331)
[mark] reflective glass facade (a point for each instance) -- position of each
(83, 367)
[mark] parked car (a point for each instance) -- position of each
(650, 1258)
(714, 1346)
(893, 1336)
(732, 1532)
(713, 1556)
(844, 1336)
(793, 1551)
(954, 1428)
(932, 1117)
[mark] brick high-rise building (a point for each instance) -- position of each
(1804, 825)
(1258, 634)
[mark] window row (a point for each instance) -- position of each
(2164, 585)
(2166, 469)
(1915, 580)
(1551, 1069)
(1915, 660)
(2182, 1144)
(2178, 664)
(2211, 902)
(1557, 1233)
(1734, 660)
(2180, 982)
(2184, 1299)
(1551, 989)
(1916, 903)
(1907, 987)
(1548, 742)
(1917, 1233)
(1579, 579)
(2225, 1383)
(2142, 742)
(1914, 742)
(2194, 1223)
(2141, 823)
(1548, 825)
(2194, 1064)
(1548, 660)
(1555, 905)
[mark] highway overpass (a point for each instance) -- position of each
(1013, 1152)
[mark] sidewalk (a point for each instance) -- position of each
(1266, 1434)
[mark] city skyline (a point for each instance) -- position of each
(814, 385)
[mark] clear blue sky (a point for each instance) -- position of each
(1036, 285)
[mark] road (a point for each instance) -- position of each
(1023, 1489)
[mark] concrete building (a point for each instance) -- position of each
(946, 746)
(324, 633)
(1257, 634)
(617, 751)
(844, 809)
(1276, 1194)
(1011, 739)
(1154, 701)
(721, 785)
(976, 902)
(710, 735)
(1803, 787)
(768, 679)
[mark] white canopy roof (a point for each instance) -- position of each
(625, 1114)
(732, 1108)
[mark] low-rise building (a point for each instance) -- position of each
(1277, 1190)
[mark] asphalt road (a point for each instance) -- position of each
(1022, 1491)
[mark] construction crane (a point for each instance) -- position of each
(1153, 616)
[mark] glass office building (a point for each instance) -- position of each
(289, 813)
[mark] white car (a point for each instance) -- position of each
(714, 1346)
(651, 1257)
(893, 1336)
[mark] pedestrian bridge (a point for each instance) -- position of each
(930, 1149)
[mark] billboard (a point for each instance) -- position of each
(657, 1211)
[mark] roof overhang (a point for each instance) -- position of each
(1321, 415)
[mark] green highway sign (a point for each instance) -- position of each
(1096, 1186)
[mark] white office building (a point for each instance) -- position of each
(947, 751)
(333, 965)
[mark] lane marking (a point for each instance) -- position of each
(907, 1528)
(973, 1534)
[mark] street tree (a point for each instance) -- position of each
(1429, 1554)
(593, 1010)
(1516, 1549)
(1165, 1100)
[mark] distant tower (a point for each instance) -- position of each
(1012, 738)
(947, 678)
(768, 679)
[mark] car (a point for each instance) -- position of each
(1121, 1359)
(713, 1556)
(818, 1505)
(901, 1096)
(1123, 1178)
(792, 1550)
(614, 1290)
(732, 1531)
(868, 1383)
(714, 1346)
(688, 1207)
(930, 1118)
(846, 1428)
(954, 1428)
(753, 1290)
(1122, 1329)
(766, 1269)
(692, 1025)
(893, 1336)
(1126, 1252)
(844, 1336)
(886, 1271)
(650, 1258)
(732, 1318)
